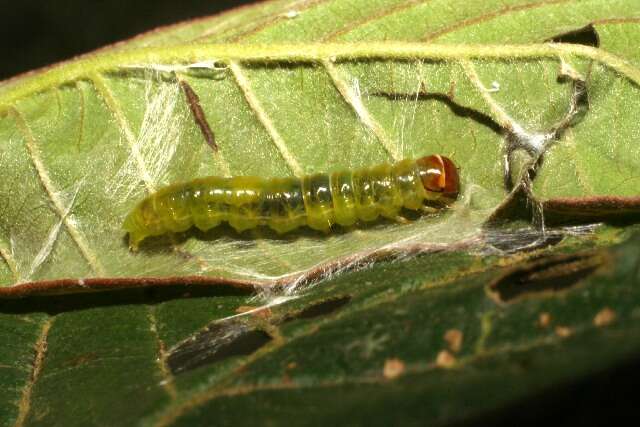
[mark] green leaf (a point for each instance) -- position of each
(464, 319)
(84, 141)
(185, 356)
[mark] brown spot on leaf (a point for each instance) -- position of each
(544, 277)
(445, 359)
(544, 320)
(605, 317)
(453, 337)
(393, 368)
(563, 331)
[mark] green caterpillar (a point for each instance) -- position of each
(284, 204)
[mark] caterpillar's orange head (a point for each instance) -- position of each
(439, 175)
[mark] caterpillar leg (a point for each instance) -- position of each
(429, 210)
(284, 225)
(319, 223)
(134, 240)
(402, 220)
(136, 233)
(242, 221)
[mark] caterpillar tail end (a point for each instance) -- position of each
(134, 241)
(135, 236)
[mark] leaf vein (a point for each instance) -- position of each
(252, 27)
(82, 113)
(263, 118)
(8, 258)
(499, 114)
(47, 184)
(302, 53)
(272, 20)
(355, 101)
(488, 17)
(616, 21)
(101, 86)
(167, 377)
(384, 13)
(40, 351)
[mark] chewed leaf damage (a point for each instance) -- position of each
(544, 277)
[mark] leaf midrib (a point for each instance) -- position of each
(296, 53)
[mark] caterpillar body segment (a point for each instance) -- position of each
(284, 204)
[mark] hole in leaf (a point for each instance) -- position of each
(587, 36)
(522, 241)
(543, 277)
(215, 344)
(119, 295)
(321, 309)
(448, 100)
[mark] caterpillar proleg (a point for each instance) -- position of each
(284, 204)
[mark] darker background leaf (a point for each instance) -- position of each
(36, 33)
